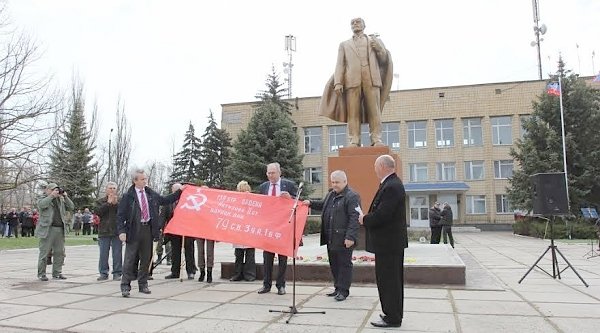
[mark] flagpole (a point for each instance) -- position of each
(564, 147)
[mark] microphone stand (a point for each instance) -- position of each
(293, 310)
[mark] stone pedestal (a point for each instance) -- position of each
(358, 163)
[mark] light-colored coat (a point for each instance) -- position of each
(47, 213)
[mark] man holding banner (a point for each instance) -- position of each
(278, 187)
(339, 230)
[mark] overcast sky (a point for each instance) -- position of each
(173, 61)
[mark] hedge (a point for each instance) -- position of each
(576, 228)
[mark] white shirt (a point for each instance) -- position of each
(277, 188)
(139, 196)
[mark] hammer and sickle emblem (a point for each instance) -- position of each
(194, 201)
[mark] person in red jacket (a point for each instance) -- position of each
(95, 223)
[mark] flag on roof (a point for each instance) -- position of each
(553, 89)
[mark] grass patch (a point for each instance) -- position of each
(32, 242)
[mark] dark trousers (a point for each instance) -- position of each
(87, 229)
(268, 258)
(340, 262)
(190, 261)
(389, 273)
(245, 264)
(140, 248)
(436, 233)
(447, 233)
(26, 231)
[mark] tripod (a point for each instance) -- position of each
(553, 250)
(293, 310)
(593, 252)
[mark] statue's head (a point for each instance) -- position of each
(357, 24)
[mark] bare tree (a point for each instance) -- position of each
(121, 151)
(28, 107)
(158, 176)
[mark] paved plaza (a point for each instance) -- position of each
(491, 301)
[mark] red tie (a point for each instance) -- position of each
(273, 190)
(145, 215)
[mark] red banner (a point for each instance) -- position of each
(254, 220)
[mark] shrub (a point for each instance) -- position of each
(575, 227)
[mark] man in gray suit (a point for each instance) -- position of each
(275, 186)
(361, 82)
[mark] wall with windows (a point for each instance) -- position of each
(442, 134)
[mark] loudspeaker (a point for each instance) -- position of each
(550, 194)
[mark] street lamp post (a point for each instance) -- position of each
(110, 155)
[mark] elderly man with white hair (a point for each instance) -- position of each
(339, 230)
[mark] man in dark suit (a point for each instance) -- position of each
(339, 230)
(176, 244)
(386, 237)
(275, 186)
(138, 224)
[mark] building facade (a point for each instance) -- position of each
(454, 144)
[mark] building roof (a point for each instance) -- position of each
(436, 187)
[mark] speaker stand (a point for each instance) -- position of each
(553, 250)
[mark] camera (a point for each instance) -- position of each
(61, 191)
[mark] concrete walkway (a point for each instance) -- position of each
(492, 300)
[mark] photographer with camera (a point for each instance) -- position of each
(51, 229)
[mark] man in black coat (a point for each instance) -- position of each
(446, 222)
(339, 230)
(275, 186)
(176, 244)
(434, 223)
(386, 237)
(139, 224)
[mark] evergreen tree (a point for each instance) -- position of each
(269, 137)
(275, 93)
(187, 160)
(214, 154)
(71, 155)
(540, 150)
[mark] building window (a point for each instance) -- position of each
(502, 130)
(503, 169)
(446, 171)
(337, 137)
(472, 133)
(312, 140)
(502, 204)
(444, 132)
(417, 134)
(313, 175)
(418, 172)
(523, 130)
(390, 135)
(365, 138)
(475, 204)
(474, 170)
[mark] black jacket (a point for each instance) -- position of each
(343, 222)
(385, 224)
(446, 216)
(434, 217)
(129, 211)
(108, 217)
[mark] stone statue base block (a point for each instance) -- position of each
(358, 163)
(424, 264)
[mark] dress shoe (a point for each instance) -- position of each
(150, 277)
(125, 293)
(116, 277)
(209, 275)
(383, 323)
(236, 278)
(340, 297)
(250, 279)
(43, 278)
(59, 277)
(201, 277)
(171, 276)
(190, 276)
(102, 278)
(281, 291)
(264, 290)
(332, 294)
(145, 290)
